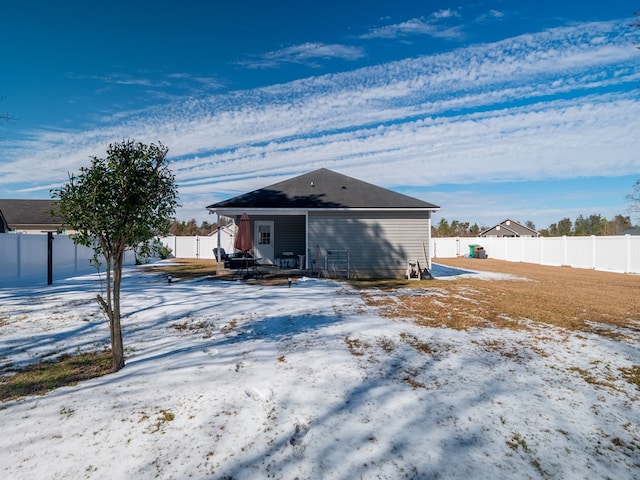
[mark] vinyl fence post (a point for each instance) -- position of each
(628, 237)
(19, 254)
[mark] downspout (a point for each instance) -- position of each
(306, 239)
(428, 254)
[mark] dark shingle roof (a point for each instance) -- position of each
(321, 189)
(22, 213)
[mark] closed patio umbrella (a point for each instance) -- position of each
(243, 241)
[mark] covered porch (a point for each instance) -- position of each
(279, 239)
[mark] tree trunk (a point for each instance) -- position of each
(117, 346)
(108, 305)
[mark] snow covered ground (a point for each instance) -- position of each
(227, 380)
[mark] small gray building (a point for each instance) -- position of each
(335, 225)
(509, 228)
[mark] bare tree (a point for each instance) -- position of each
(634, 198)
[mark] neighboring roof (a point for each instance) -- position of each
(20, 214)
(632, 231)
(229, 229)
(322, 189)
(511, 226)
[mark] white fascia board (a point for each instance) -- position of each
(230, 212)
(365, 209)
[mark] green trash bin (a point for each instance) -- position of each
(472, 250)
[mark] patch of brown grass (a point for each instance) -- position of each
(417, 344)
(185, 268)
(411, 378)
(593, 378)
(577, 299)
(356, 347)
(632, 375)
(43, 377)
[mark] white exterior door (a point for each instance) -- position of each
(263, 241)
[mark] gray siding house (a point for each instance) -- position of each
(334, 224)
(509, 228)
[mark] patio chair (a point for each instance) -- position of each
(223, 257)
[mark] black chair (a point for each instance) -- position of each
(223, 257)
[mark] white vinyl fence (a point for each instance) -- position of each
(619, 253)
(192, 247)
(614, 253)
(24, 259)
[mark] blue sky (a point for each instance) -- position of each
(491, 109)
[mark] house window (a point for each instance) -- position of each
(264, 235)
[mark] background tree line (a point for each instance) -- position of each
(191, 228)
(582, 226)
(591, 225)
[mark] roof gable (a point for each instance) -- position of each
(322, 189)
(511, 226)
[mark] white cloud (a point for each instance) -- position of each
(490, 15)
(124, 79)
(306, 53)
(416, 26)
(437, 25)
(447, 13)
(558, 104)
